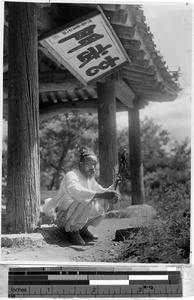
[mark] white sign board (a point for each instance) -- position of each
(89, 48)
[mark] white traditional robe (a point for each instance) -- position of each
(73, 201)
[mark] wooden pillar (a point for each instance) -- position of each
(108, 156)
(23, 198)
(136, 166)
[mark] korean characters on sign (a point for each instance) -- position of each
(89, 48)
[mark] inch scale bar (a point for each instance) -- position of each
(96, 282)
(66, 291)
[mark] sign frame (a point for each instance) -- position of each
(43, 40)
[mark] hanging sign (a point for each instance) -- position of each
(88, 48)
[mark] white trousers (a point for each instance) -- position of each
(78, 215)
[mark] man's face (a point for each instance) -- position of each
(88, 166)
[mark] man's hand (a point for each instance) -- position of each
(111, 196)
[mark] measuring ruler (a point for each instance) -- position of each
(86, 281)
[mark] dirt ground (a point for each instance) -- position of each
(55, 248)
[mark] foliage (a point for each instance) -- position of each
(162, 242)
(167, 238)
(60, 140)
(176, 170)
(155, 143)
(167, 185)
(163, 160)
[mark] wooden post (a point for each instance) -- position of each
(136, 165)
(23, 198)
(108, 156)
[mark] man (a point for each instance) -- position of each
(81, 201)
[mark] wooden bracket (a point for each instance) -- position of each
(124, 93)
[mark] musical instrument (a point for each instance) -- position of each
(122, 166)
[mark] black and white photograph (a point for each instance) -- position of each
(96, 138)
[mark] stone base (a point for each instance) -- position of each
(22, 239)
(44, 234)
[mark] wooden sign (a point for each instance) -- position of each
(88, 48)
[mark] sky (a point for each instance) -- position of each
(171, 25)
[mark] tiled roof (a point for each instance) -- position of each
(147, 74)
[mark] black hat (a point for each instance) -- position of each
(85, 151)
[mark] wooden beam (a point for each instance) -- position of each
(47, 111)
(45, 20)
(112, 7)
(142, 103)
(5, 109)
(6, 15)
(81, 105)
(78, 105)
(148, 90)
(49, 56)
(140, 62)
(23, 185)
(131, 44)
(82, 4)
(159, 87)
(53, 81)
(108, 155)
(49, 87)
(118, 17)
(43, 5)
(5, 64)
(143, 84)
(139, 69)
(54, 87)
(124, 93)
(138, 76)
(157, 97)
(5, 39)
(147, 36)
(136, 166)
(59, 77)
(124, 31)
(136, 54)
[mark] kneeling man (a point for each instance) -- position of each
(81, 201)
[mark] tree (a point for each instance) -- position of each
(181, 155)
(155, 145)
(60, 141)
